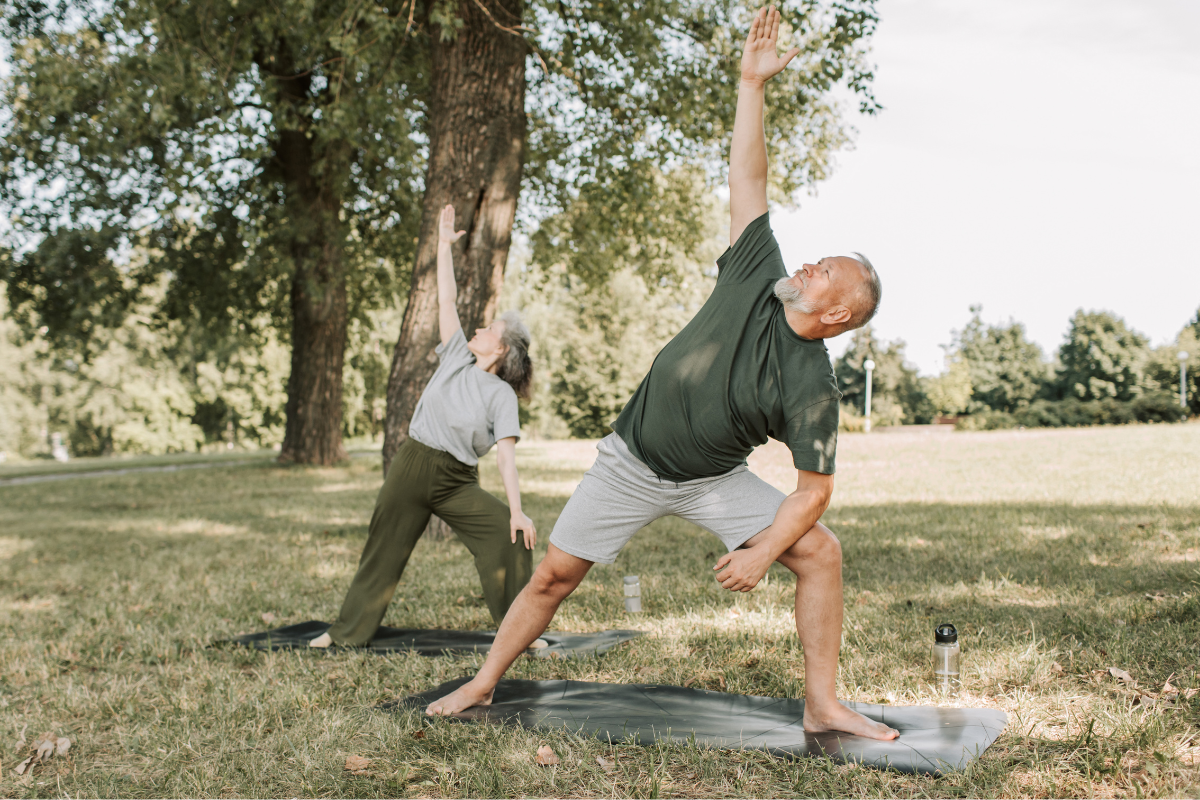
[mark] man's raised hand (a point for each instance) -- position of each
(760, 59)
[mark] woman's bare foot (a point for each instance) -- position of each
(324, 640)
(460, 699)
(840, 718)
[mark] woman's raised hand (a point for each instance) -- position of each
(446, 232)
(760, 58)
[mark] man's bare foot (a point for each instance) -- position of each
(460, 699)
(840, 718)
(324, 640)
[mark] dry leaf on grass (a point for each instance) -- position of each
(1123, 676)
(268, 617)
(607, 766)
(45, 747)
(546, 756)
(357, 765)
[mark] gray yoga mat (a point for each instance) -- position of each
(932, 740)
(437, 642)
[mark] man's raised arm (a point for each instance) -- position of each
(748, 152)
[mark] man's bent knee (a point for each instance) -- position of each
(816, 548)
(558, 574)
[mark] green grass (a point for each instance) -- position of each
(1042, 546)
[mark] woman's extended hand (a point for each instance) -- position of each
(520, 522)
(446, 232)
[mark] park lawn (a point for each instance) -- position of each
(1058, 554)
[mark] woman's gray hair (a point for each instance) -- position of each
(516, 368)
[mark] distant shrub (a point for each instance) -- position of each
(986, 421)
(1074, 413)
(849, 420)
(1158, 407)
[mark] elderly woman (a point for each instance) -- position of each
(469, 405)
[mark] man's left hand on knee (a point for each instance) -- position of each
(741, 570)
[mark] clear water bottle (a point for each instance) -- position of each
(945, 658)
(633, 594)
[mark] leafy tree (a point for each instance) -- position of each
(290, 158)
(1162, 367)
(950, 393)
(593, 344)
(1006, 370)
(896, 393)
(1101, 358)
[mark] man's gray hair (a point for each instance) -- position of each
(865, 302)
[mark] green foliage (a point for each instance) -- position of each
(364, 384)
(628, 100)
(896, 392)
(1101, 358)
(24, 378)
(154, 386)
(1162, 368)
(174, 127)
(950, 392)
(121, 400)
(1006, 370)
(592, 345)
(1073, 413)
(178, 125)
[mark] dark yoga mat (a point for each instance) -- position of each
(437, 642)
(931, 739)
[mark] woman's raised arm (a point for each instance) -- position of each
(448, 322)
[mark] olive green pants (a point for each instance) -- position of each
(423, 481)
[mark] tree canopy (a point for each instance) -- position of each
(1007, 371)
(1101, 357)
(275, 158)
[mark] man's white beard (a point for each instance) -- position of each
(793, 297)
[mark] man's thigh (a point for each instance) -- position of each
(613, 502)
(735, 506)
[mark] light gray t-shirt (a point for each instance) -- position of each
(464, 410)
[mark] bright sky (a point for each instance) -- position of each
(1034, 156)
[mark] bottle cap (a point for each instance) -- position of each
(945, 633)
(631, 578)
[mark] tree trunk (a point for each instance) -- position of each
(313, 432)
(476, 146)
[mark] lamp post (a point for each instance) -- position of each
(870, 367)
(1183, 357)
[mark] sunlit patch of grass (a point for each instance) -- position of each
(1054, 565)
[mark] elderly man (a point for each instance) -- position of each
(750, 365)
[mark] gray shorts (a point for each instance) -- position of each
(620, 495)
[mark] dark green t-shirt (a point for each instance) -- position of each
(734, 376)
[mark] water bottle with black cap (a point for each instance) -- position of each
(945, 658)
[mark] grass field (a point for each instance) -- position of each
(1058, 554)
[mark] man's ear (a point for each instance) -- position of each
(836, 315)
